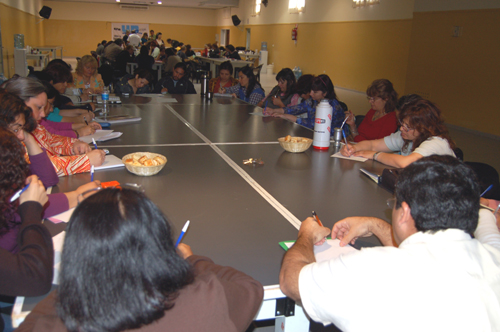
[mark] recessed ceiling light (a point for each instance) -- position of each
(159, 2)
(117, 0)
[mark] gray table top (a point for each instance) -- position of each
(206, 182)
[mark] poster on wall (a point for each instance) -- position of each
(118, 29)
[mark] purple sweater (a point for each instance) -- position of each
(57, 203)
(42, 167)
(59, 128)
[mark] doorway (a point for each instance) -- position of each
(224, 37)
(248, 39)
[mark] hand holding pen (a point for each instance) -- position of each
(34, 191)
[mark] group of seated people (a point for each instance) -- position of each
(438, 268)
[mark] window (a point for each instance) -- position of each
(296, 6)
(257, 7)
(362, 3)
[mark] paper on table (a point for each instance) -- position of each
(259, 114)
(339, 155)
(58, 242)
(110, 162)
(97, 135)
(328, 250)
(110, 136)
(161, 97)
(223, 95)
(62, 217)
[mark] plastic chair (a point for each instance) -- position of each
(256, 71)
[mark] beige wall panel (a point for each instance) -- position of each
(15, 21)
(460, 74)
(353, 54)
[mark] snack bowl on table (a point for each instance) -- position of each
(295, 144)
(137, 167)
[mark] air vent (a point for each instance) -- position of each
(134, 7)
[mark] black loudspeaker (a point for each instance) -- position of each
(45, 12)
(236, 20)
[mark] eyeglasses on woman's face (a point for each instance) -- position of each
(405, 126)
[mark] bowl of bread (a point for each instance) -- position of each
(144, 163)
(295, 144)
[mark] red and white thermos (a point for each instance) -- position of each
(322, 126)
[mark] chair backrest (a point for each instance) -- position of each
(256, 71)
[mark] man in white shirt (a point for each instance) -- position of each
(134, 39)
(438, 279)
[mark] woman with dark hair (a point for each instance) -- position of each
(14, 171)
(16, 117)
(321, 88)
(248, 89)
(281, 95)
(154, 50)
(159, 41)
(135, 84)
(68, 155)
(381, 119)
(146, 284)
(144, 38)
(144, 60)
(423, 133)
(225, 79)
(189, 52)
(74, 128)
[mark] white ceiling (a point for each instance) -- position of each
(207, 4)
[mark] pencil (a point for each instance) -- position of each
(315, 216)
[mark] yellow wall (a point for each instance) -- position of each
(15, 21)
(353, 54)
(459, 74)
(81, 37)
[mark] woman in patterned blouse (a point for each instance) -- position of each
(68, 155)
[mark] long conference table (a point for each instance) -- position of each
(239, 213)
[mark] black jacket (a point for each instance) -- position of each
(183, 86)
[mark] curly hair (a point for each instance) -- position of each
(11, 107)
(13, 172)
(384, 89)
(86, 59)
(425, 117)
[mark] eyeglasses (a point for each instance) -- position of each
(404, 126)
(15, 128)
(371, 99)
(391, 203)
(90, 192)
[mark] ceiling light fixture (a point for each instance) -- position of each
(159, 2)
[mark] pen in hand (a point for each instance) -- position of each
(84, 119)
(487, 189)
(184, 229)
(18, 193)
(93, 141)
(315, 216)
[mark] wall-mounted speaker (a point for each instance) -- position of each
(45, 12)
(236, 20)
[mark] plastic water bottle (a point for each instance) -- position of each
(299, 73)
(322, 125)
(105, 100)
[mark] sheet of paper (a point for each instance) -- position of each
(160, 97)
(339, 155)
(110, 136)
(110, 162)
(97, 135)
(62, 217)
(328, 250)
(58, 242)
(259, 114)
(222, 95)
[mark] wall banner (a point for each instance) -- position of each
(118, 29)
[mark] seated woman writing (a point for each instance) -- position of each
(225, 79)
(68, 155)
(248, 89)
(135, 84)
(282, 94)
(167, 288)
(75, 128)
(14, 171)
(86, 78)
(422, 133)
(381, 119)
(321, 88)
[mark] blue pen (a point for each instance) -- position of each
(265, 107)
(92, 173)
(18, 193)
(487, 189)
(184, 229)
(93, 141)
(345, 139)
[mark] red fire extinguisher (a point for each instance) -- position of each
(294, 33)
